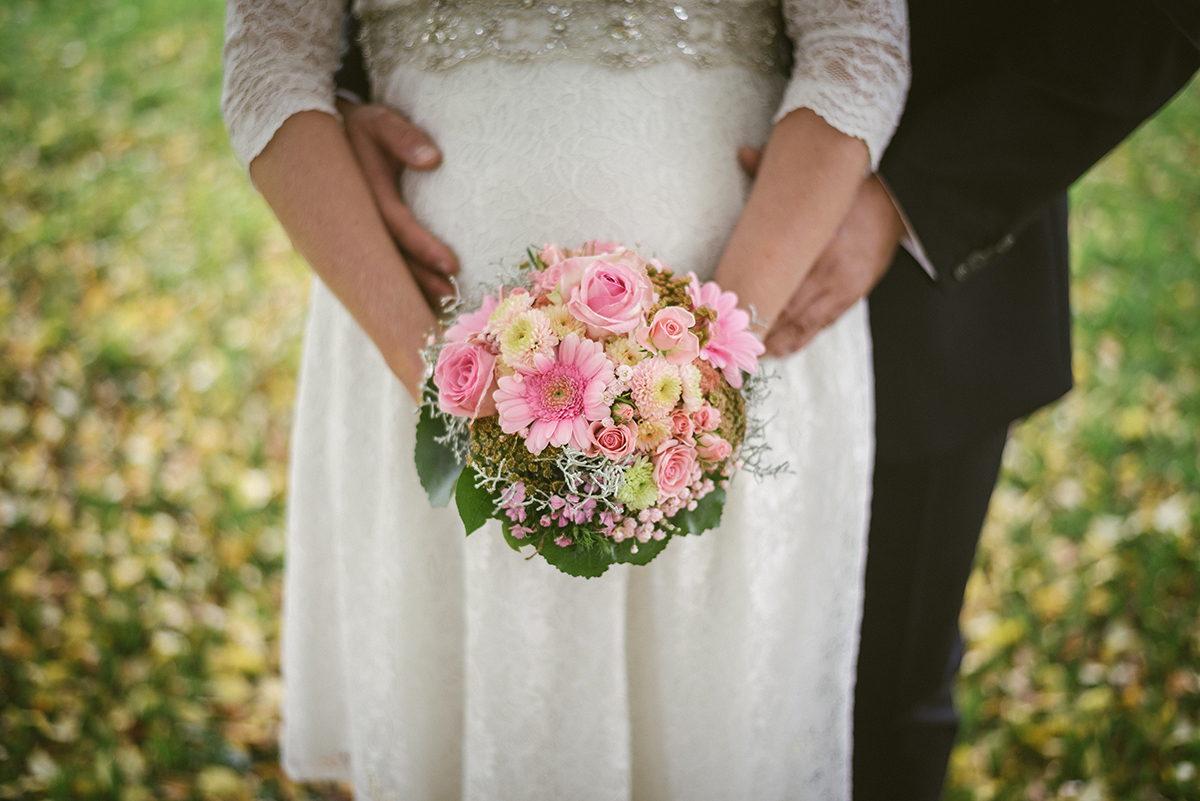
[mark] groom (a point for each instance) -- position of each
(1008, 106)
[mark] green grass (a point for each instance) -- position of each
(1083, 616)
(151, 313)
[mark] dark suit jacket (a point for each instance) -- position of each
(1010, 103)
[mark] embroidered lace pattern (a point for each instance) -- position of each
(850, 57)
(616, 33)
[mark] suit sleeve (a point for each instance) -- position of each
(972, 165)
(351, 75)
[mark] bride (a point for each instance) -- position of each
(423, 665)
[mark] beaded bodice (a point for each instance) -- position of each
(616, 33)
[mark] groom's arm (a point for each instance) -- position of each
(974, 164)
(385, 143)
(971, 165)
(351, 77)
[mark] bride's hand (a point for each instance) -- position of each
(808, 177)
(849, 267)
(385, 144)
(310, 177)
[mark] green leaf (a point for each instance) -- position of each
(576, 561)
(437, 466)
(706, 515)
(475, 504)
(646, 551)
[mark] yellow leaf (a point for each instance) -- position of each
(217, 783)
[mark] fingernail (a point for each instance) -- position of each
(425, 154)
(444, 267)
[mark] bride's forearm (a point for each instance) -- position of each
(809, 174)
(310, 178)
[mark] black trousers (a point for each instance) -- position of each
(926, 515)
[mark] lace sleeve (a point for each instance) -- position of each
(851, 65)
(280, 56)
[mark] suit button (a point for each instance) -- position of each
(961, 272)
(976, 261)
(1005, 244)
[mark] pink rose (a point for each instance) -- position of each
(673, 467)
(615, 442)
(706, 418)
(681, 427)
(464, 376)
(670, 332)
(571, 271)
(712, 448)
(611, 296)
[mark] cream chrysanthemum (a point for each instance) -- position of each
(652, 433)
(624, 350)
(563, 322)
(693, 396)
(507, 312)
(656, 387)
(528, 335)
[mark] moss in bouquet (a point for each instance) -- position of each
(671, 291)
(491, 446)
(732, 406)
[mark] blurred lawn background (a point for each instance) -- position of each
(150, 322)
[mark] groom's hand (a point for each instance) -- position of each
(853, 262)
(385, 143)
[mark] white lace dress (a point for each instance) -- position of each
(424, 665)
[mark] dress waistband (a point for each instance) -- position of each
(438, 34)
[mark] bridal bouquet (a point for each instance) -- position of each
(595, 405)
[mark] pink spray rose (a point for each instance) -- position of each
(670, 332)
(706, 418)
(673, 467)
(682, 428)
(611, 295)
(463, 376)
(712, 448)
(615, 442)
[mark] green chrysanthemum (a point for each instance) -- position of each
(639, 489)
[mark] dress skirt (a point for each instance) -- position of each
(421, 664)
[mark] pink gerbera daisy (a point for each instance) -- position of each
(731, 347)
(559, 398)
